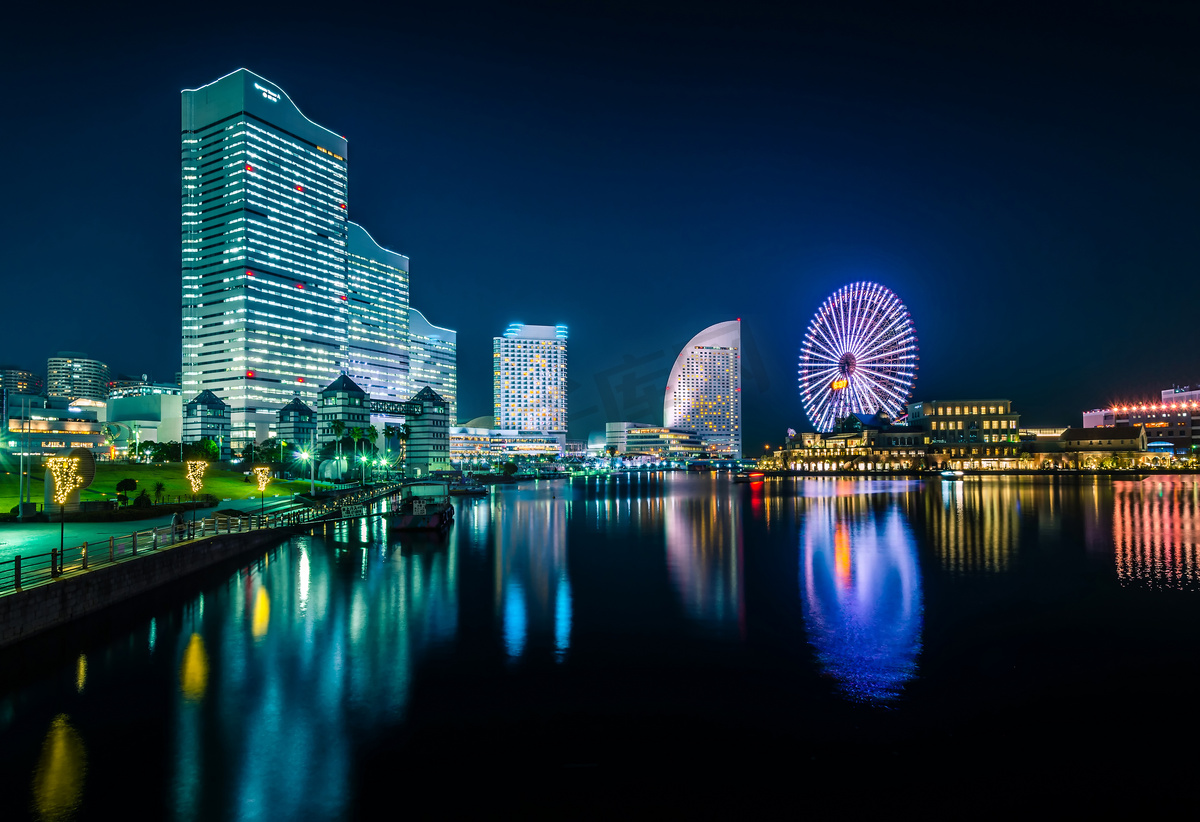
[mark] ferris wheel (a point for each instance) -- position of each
(859, 356)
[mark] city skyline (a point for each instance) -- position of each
(842, 139)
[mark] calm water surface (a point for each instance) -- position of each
(654, 623)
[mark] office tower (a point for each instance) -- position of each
(433, 360)
(704, 389)
(377, 324)
(529, 378)
(19, 381)
(74, 376)
(264, 240)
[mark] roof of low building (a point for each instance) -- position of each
(343, 383)
(1119, 432)
(296, 405)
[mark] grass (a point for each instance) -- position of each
(221, 484)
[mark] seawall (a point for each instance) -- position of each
(53, 604)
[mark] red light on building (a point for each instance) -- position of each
(344, 297)
(299, 285)
(300, 379)
(343, 205)
(249, 167)
(299, 188)
(250, 374)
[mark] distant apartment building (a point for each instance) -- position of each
(19, 381)
(72, 375)
(529, 378)
(704, 389)
(433, 360)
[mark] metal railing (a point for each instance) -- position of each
(24, 571)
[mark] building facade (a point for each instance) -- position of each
(433, 360)
(71, 375)
(428, 446)
(377, 325)
(20, 381)
(206, 417)
(296, 424)
(529, 378)
(44, 426)
(264, 242)
(704, 389)
(667, 443)
(341, 401)
(1171, 422)
(472, 445)
(616, 435)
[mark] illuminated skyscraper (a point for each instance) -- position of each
(377, 332)
(529, 378)
(73, 376)
(433, 360)
(704, 389)
(265, 291)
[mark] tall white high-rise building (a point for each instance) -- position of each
(433, 360)
(265, 291)
(377, 324)
(529, 378)
(704, 389)
(74, 376)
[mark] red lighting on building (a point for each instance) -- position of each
(343, 205)
(344, 297)
(299, 285)
(299, 188)
(300, 379)
(249, 167)
(250, 374)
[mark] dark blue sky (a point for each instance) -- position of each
(1024, 178)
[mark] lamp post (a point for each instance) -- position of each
(262, 473)
(65, 471)
(195, 475)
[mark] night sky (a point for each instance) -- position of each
(1024, 178)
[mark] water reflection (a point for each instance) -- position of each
(974, 525)
(532, 585)
(704, 557)
(860, 582)
(61, 768)
(1155, 533)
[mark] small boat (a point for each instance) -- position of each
(748, 476)
(951, 475)
(424, 506)
(468, 487)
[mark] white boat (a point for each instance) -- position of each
(952, 475)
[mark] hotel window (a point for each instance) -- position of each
(991, 409)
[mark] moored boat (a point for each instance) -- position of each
(748, 476)
(468, 487)
(423, 506)
(952, 475)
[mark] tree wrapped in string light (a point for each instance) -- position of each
(262, 473)
(65, 471)
(195, 477)
(859, 356)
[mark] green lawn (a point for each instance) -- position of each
(221, 484)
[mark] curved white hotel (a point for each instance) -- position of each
(704, 389)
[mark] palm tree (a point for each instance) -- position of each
(402, 436)
(371, 434)
(356, 434)
(338, 428)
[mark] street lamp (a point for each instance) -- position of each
(262, 473)
(195, 476)
(364, 459)
(65, 471)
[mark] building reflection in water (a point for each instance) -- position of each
(704, 558)
(1155, 532)
(532, 585)
(301, 651)
(860, 582)
(973, 525)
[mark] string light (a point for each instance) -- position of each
(263, 475)
(195, 474)
(65, 471)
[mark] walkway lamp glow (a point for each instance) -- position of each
(195, 476)
(65, 471)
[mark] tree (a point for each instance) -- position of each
(338, 428)
(356, 434)
(509, 468)
(124, 488)
(159, 490)
(142, 501)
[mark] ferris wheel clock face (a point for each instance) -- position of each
(859, 356)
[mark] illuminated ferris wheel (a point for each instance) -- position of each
(859, 356)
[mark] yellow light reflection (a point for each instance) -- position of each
(193, 672)
(80, 672)
(262, 613)
(58, 780)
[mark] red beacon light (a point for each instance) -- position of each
(249, 167)
(250, 374)
(300, 285)
(300, 379)
(299, 188)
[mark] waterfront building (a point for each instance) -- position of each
(1171, 422)
(296, 424)
(616, 435)
(666, 443)
(1117, 438)
(20, 381)
(704, 389)
(859, 442)
(969, 433)
(146, 416)
(529, 383)
(72, 375)
(377, 330)
(264, 241)
(207, 416)
(428, 446)
(478, 443)
(341, 401)
(43, 426)
(141, 388)
(433, 360)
